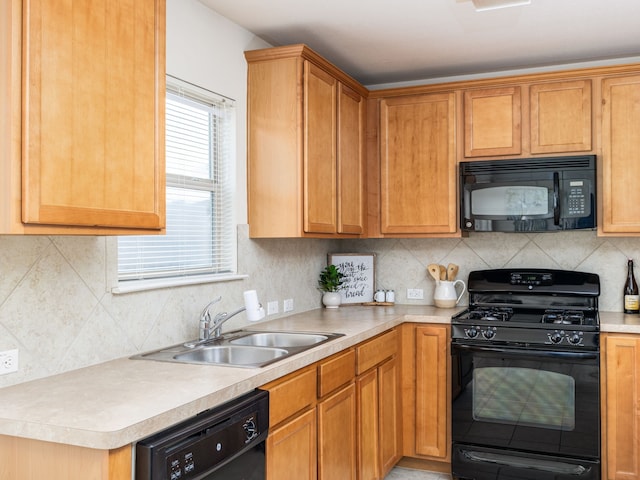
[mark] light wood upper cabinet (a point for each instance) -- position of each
(528, 119)
(305, 146)
(320, 106)
(351, 161)
(560, 116)
(620, 161)
(87, 139)
(492, 122)
(621, 407)
(418, 164)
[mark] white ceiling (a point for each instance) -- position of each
(380, 42)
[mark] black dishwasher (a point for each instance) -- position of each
(226, 442)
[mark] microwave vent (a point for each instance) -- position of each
(529, 164)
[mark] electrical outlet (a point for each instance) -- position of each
(288, 305)
(415, 294)
(272, 307)
(8, 361)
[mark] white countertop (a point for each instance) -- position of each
(115, 403)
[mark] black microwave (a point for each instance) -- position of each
(528, 195)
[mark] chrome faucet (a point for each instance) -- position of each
(211, 328)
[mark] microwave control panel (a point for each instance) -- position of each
(577, 198)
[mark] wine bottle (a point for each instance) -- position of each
(631, 298)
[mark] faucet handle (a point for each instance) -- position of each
(205, 311)
(206, 325)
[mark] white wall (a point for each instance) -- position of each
(206, 49)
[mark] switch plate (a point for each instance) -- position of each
(8, 361)
(288, 305)
(272, 307)
(415, 294)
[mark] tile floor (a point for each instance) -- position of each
(401, 473)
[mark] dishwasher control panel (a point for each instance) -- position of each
(206, 442)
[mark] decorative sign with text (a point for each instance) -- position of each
(359, 275)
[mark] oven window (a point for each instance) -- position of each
(510, 201)
(525, 397)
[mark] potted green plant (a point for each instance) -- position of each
(330, 282)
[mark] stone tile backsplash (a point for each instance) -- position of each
(57, 308)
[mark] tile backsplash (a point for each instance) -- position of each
(57, 308)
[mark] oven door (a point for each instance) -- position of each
(539, 408)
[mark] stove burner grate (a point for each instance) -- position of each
(498, 314)
(563, 317)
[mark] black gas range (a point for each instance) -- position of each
(525, 383)
(531, 308)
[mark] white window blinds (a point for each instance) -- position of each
(200, 234)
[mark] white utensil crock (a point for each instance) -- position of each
(445, 295)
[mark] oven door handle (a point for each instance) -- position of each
(531, 353)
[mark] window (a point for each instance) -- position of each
(200, 233)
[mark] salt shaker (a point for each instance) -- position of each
(390, 296)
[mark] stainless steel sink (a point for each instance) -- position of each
(231, 354)
(280, 339)
(242, 348)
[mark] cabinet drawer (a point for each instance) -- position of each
(336, 372)
(377, 350)
(291, 394)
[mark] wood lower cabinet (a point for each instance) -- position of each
(621, 406)
(337, 456)
(418, 175)
(426, 396)
(292, 449)
(25, 459)
(82, 136)
(379, 414)
(620, 161)
(305, 146)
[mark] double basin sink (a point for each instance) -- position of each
(243, 348)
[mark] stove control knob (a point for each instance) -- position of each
(471, 332)
(574, 339)
(489, 334)
(555, 337)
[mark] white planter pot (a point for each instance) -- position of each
(331, 299)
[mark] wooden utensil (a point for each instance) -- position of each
(452, 271)
(434, 271)
(443, 272)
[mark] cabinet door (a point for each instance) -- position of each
(320, 205)
(337, 435)
(560, 117)
(350, 161)
(431, 395)
(369, 440)
(27, 459)
(620, 160)
(418, 167)
(621, 407)
(492, 122)
(93, 113)
(390, 419)
(291, 449)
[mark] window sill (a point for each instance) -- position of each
(142, 285)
